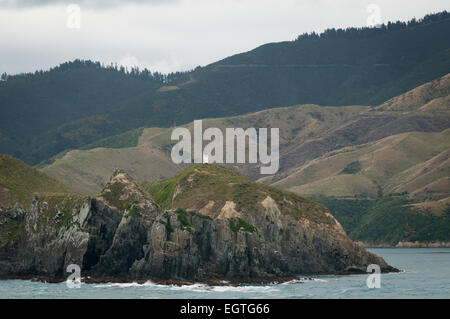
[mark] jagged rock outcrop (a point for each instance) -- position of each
(208, 223)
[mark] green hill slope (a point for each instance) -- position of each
(87, 171)
(149, 158)
(220, 192)
(389, 165)
(19, 182)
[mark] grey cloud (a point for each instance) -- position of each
(173, 37)
(97, 4)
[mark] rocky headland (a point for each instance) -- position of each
(208, 224)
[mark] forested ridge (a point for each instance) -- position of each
(80, 102)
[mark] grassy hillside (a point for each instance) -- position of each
(390, 165)
(431, 96)
(213, 190)
(414, 164)
(88, 171)
(19, 182)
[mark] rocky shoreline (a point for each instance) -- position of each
(174, 282)
(181, 282)
(405, 245)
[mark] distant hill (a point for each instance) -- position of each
(81, 102)
(19, 182)
(382, 171)
(387, 155)
(412, 163)
(34, 106)
(318, 147)
(87, 171)
(148, 157)
(431, 96)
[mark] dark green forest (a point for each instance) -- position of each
(81, 102)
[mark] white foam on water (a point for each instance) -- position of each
(127, 285)
(319, 280)
(402, 271)
(199, 287)
(303, 280)
(244, 288)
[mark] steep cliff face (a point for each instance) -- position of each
(208, 223)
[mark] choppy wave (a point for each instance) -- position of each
(199, 287)
(302, 281)
(126, 285)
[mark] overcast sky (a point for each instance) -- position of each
(173, 35)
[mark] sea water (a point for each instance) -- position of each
(425, 274)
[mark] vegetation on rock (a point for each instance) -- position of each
(20, 182)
